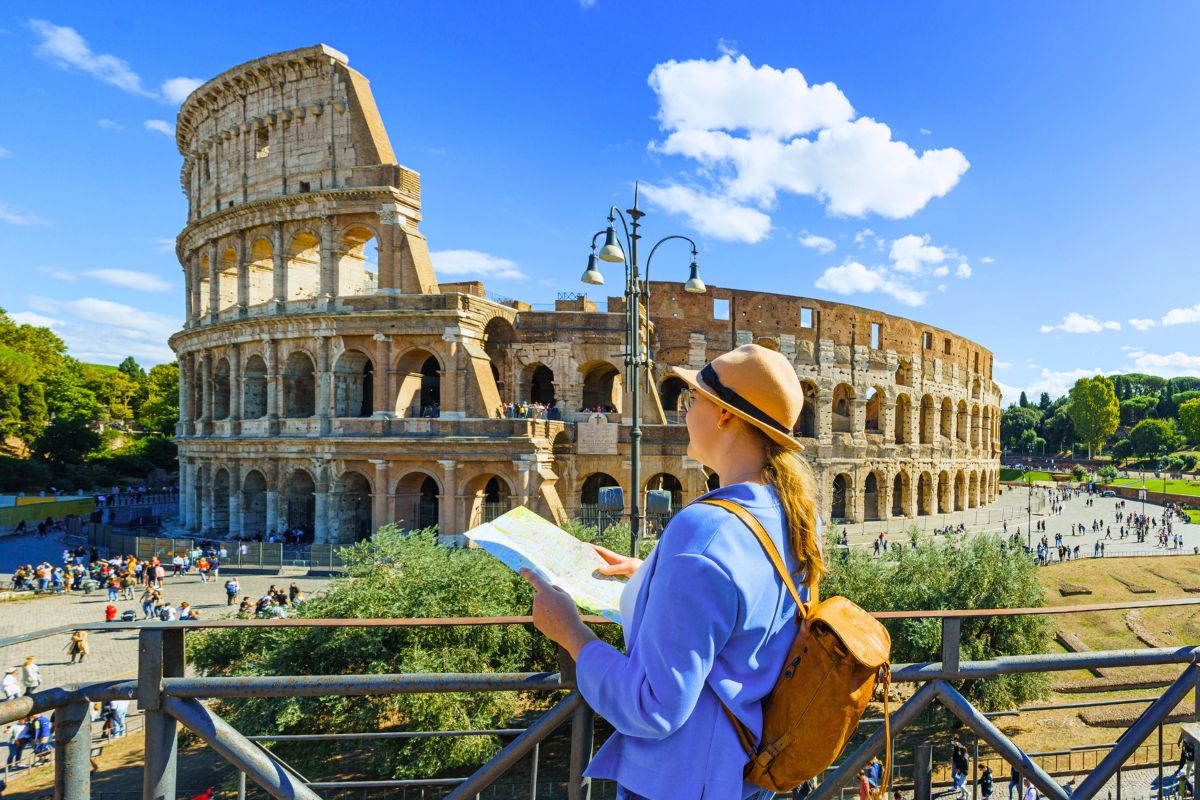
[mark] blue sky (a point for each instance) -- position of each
(1024, 176)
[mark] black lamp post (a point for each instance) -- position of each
(634, 358)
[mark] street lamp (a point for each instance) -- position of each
(613, 252)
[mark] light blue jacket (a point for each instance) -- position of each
(712, 619)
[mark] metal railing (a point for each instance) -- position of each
(170, 700)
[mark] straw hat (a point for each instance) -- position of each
(755, 384)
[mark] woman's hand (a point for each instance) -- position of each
(555, 615)
(617, 564)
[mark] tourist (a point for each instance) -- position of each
(664, 696)
(31, 677)
(985, 783)
(11, 684)
(232, 589)
(1029, 793)
(78, 646)
(864, 785)
(959, 766)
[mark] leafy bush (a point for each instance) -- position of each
(1173, 463)
(1079, 473)
(1189, 461)
(23, 475)
(1108, 472)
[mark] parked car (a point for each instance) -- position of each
(1108, 493)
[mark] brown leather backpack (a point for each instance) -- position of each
(812, 712)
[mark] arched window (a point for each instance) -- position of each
(900, 490)
(903, 418)
(841, 485)
(871, 500)
(221, 390)
(874, 411)
(254, 388)
(254, 504)
(602, 388)
(807, 427)
(843, 408)
(541, 385)
(220, 507)
(928, 411)
(299, 386)
(670, 392)
(353, 385)
(303, 266)
(300, 502)
(261, 273)
(418, 374)
(358, 267)
(352, 502)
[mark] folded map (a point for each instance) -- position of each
(521, 538)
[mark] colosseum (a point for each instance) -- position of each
(329, 382)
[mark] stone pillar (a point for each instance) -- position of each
(279, 276)
(324, 385)
(389, 250)
(185, 492)
(887, 420)
(203, 473)
(885, 495)
(272, 510)
(214, 289)
(379, 500)
(858, 419)
(243, 278)
(856, 499)
(193, 290)
(825, 416)
(183, 427)
(235, 389)
(523, 483)
(384, 377)
(329, 277)
(274, 390)
(448, 503)
(321, 510)
(693, 479)
(235, 499)
(205, 363)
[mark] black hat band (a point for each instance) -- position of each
(709, 376)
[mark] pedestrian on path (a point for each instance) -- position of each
(11, 684)
(78, 647)
(31, 677)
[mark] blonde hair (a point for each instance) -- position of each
(794, 483)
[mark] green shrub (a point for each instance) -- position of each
(1108, 472)
(1079, 473)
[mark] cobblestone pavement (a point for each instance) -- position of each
(112, 655)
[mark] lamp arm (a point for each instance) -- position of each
(649, 259)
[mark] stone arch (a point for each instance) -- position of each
(353, 386)
(927, 422)
(351, 501)
(947, 426)
(419, 382)
(943, 492)
(903, 374)
(260, 272)
(603, 386)
(670, 393)
(590, 486)
(874, 412)
(498, 339)
(973, 490)
(227, 279)
(960, 491)
(299, 385)
(488, 495)
(358, 264)
(540, 382)
(872, 500)
(925, 500)
(961, 424)
(843, 408)
(303, 265)
(975, 386)
(900, 494)
(903, 418)
(418, 500)
(254, 388)
(839, 503)
(807, 424)
(221, 390)
(254, 504)
(298, 502)
(667, 482)
(219, 515)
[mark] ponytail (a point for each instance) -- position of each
(794, 483)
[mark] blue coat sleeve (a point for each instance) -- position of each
(690, 614)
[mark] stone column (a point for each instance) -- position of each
(183, 428)
(380, 505)
(448, 503)
(274, 390)
(885, 495)
(825, 416)
(205, 363)
(382, 401)
(206, 499)
(328, 290)
(235, 499)
(279, 275)
(214, 289)
(324, 385)
(235, 389)
(858, 419)
(243, 277)
(856, 497)
(389, 250)
(321, 510)
(185, 492)
(272, 510)
(887, 420)
(193, 290)
(523, 483)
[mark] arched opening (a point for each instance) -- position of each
(219, 515)
(947, 418)
(358, 267)
(589, 500)
(973, 490)
(418, 374)
(924, 495)
(541, 385)
(664, 481)
(260, 273)
(303, 266)
(843, 408)
(873, 411)
(871, 509)
(300, 503)
(227, 279)
(203, 287)
(498, 339)
(254, 388)
(960, 491)
(943, 492)
(352, 507)
(975, 389)
(602, 388)
(904, 374)
(488, 496)
(417, 502)
(254, 505)
(220, 389)
(841, 486)
(903, 418)
(961, 422)
(353, 385)
(927, 422)
(562, 444)
(900, 490)
(671, 392)
(299, 386)
(807, 427)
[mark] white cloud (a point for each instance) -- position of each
(1055, 383)
(711, 215)
(911, 253)
(15, 215)
(867, 236)
(141, 281)
(109, 124)
(1143, 324)
(58, 274)
(1002, 365)
(32, 318)
(164, 244)
(853, 277)
(1169, 365)
(103, 331)
(1081, 323)
(161, 126)
(5, 152)
(963, 270)
(65, 48)
(473, 262)
(818, 243)
(926, 132)
(987, 260)
(176, 90)
(1182, 316)
(941, 271)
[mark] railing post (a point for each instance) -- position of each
(160, 655)
(582, 732)
(951, 633)
(73, 751)
(923, 772)
(241, 785)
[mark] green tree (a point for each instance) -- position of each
(1189, 420)
(1030, 442)
(1094, 411)
(1058, 430)
(1152, 437)
(1138, 408)
(1122, 450)
(160, 410)
(34, 413)
(1108, 473)
(1044, 402)
(130, 367)
(1015, 420)
(66, 441)
(1024, 401)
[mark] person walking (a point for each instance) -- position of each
(668, 695)
(31, 677)
(78, 646)
(232, 590)
(11, 684)
(986, 783)
(959, 766)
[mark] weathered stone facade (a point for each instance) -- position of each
(319, 345)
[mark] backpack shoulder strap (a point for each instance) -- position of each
(764, 539)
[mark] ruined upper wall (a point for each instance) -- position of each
(290, 123)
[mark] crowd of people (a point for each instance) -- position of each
(530, 410)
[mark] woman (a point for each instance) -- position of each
(78, 646)
(31, 677)
(707, 621)
(11, 684)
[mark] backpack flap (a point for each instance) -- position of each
(864, 638)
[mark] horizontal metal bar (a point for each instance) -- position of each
(333, 737)
(326, 685)
(384, 784)
(1060, 707)
(1046, 662)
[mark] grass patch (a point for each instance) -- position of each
(1033, 475)
(1193, 515)
(1156, 485)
